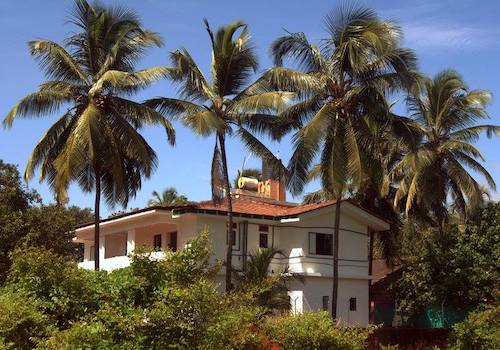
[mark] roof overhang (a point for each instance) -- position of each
(373, 221)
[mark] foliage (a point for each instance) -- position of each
(270, 290)
(480, 331)
(314, 330)
(459, 268)
(26, 222)
(97, 137)
(48, 303)
(435, 170)
(62, 292)
(22, 324)
(168, 197)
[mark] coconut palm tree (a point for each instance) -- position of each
(168, 197)
(96, 141)
(437, 170)
(343, 86)
(225, 106)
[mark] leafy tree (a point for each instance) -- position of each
(459, 268)
(26, 222)
(436, 170)
(480, 331)
(168, 197)
(225, 106)
(96, 142)
(343, 86)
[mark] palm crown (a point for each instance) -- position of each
(437, 169)
(226, 104)
(168, 197)
(343, 85)
(93, 74)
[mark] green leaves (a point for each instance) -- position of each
(99, 133)
(446, 111)
(57, 63)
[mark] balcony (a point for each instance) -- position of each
(116, 262)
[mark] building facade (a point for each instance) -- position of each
(303, 232)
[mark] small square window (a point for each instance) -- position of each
(352, 304)
(263, 240)
(263, 228)
(157, 242)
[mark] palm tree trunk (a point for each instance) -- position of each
(96, 219)
(335, 288)
(229, 251)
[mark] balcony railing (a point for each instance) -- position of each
(117, 262)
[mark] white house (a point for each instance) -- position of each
(262, 218)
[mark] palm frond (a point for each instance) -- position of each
(56, 62)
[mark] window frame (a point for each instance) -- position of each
(155, 246)
(263, 234)
(310, 245)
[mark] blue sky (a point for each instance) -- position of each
(458, 34)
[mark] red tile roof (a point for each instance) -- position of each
(242, 205)
(260, 206)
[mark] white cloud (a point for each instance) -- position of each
(429, 36)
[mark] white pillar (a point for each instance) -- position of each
(102, 245)
(296, 301)
(130, 241)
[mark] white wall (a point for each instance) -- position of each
(314, 288)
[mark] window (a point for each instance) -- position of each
(263, 228)
(157, 241)
(115, 244)
(92, 253)
(263, 240)
(320, 243)
(233, 234)
(326, 300)
(172, 245)
(352, 304)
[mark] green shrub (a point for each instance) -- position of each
(479, 331)
(85, 336)
(62, 291)
(48, 303)
(314, 330)
(22, 324)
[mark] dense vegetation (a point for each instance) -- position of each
(458, 268)
(26, 222)
(48, 303)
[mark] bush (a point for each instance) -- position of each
(61, 290)
(479, 331)
(22, 324)
(48, 303)
(314, 330)
(85, 336)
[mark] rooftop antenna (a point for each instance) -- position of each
(245, 159)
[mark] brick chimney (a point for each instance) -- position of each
(272, 174)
